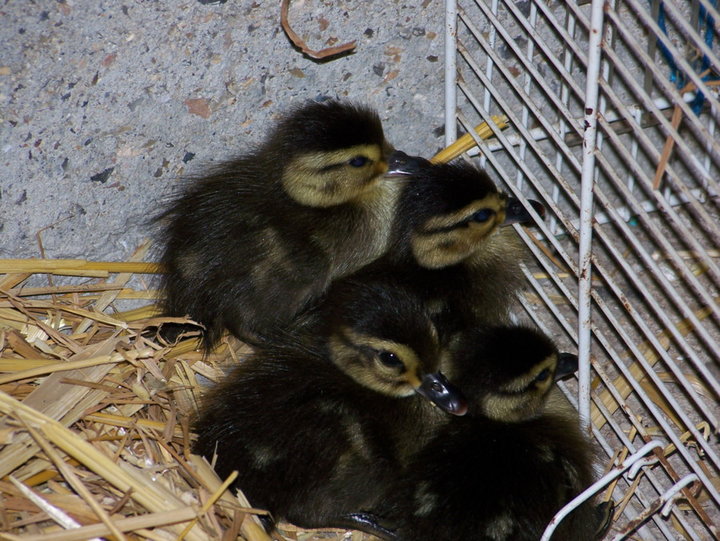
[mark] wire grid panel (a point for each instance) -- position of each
(640, 137)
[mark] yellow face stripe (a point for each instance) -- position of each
(520, 384)
(322, 159)
(493, 201)
(410, 373)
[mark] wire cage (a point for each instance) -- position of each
(612, 109)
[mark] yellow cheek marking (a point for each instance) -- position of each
(413, 380)
(492, 201)
(406, 354)
(380, 168)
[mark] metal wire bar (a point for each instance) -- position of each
(617, 102)
(688, 33)
(687, 274)
(712, 11)
(450, 71)
(674, 96)
(570, 42)
(540, 101)
(598, 436)
(660, 200)
(587, 181)
(668, 288)
(637, 282)
(638, 425)
(529, 66)
(570, 331)
(525, 113)
(631, 463)
(640, 358)
(649, 474)
(489, 65)
(539, 134)
(661, 504)
(649, 104)
(568, 295)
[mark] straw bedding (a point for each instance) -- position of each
(95, 414)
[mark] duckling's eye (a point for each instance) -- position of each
(482, 215)
(542, 376)
(388, 358)
(358, 161)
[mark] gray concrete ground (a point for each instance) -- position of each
(106, 104)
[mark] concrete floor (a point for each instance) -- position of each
(106, 104)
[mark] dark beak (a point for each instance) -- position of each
(401, 165)
(567, 364)
(438, 390)
(515, 213)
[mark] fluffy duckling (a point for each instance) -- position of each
(249, 244)
(504, 470)
(450, 246)
(314, 430)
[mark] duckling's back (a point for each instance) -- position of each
(485, 480)
(297, 432)
(504, 470)
(249, 244)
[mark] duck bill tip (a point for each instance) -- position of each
(401, 164)
(516, 213)
(443, 394)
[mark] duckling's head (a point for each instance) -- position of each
(451, 212)
(383, 338)
(508, 372)
(331, 152)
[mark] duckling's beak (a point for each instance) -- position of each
(515, 213)
(402, 165)
(567, 364)
(438, 390)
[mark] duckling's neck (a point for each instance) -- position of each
(420, 423)
(368, 237)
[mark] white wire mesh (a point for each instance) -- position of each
(651, 228)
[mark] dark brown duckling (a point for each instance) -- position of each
(313, 430)
(257, 238)
(504, 470)
(450, 246)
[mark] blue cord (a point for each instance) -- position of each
(706, 18)
(676, 76)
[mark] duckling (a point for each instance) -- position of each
(451, 248)
(253, 241)
(504, 470)
(313, 430)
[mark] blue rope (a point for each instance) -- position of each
(676, 76)
(706, 18)
(674, 72)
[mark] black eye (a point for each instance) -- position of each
(358, 161)
(388, 358)
(482, 215)
(542, 376)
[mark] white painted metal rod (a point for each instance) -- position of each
(664, 505)
(709, 262)
(587, 182)
(662, 82)
(637, 388)
(660, 237)
(450, 71)
(638, 458)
